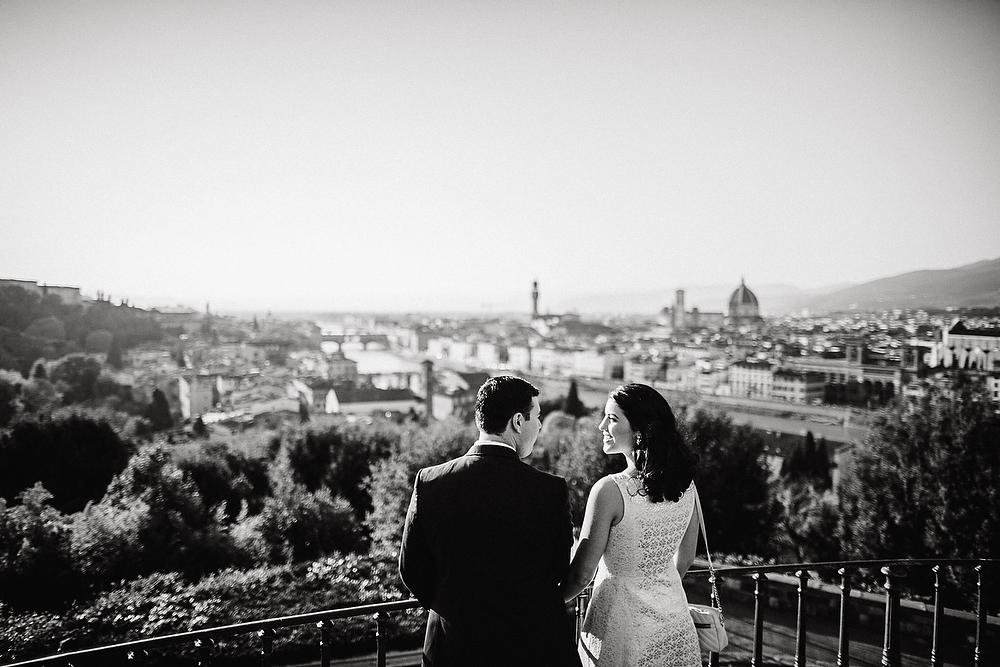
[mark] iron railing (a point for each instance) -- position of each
(893, 571)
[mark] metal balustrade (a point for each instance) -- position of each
(893, 571)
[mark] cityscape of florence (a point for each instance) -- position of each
(256, 262)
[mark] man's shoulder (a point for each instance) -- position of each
(439, 469)
(518, 469)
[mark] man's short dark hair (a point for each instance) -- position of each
(499, 399)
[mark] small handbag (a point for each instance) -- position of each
(709, 622)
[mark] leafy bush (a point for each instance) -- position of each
(162, 604)
(297, 525)
(227, 476)
(36, 570)
(391, 481)
(74, 455)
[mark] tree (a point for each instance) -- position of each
(808, 463)
(49, 328)
(298, 525)
(392, 477)
(98, 342)
(810, 522)
(114, 358)
(175, 530)
(159, 412)
(36, 570)
(741, 514)
(573, 405)
(574, 451)
(39, 396)
(10, 390)
(925, 483)
(75, 456)
(75, 376)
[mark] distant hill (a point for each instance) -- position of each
(973, 285)
(774, 299)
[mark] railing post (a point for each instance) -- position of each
(759, 591)
(380, 639)
(844, 641)
(980, 618)
(890, 645)
(713, 658)
(324, 643)
(938, 615)
(581, 611)
(800, 624)
(204, 647)
(266, 646)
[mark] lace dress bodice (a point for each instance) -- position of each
(638, 614)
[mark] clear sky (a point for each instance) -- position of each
(344, 154)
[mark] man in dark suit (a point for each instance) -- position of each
(487, 542)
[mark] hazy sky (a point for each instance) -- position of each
(381, 155)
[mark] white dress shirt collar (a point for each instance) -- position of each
(499, 443)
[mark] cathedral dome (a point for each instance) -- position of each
(742, 297)
(743, 306)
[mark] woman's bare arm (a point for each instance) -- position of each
(605, 508)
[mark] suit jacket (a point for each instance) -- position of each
(485, 546)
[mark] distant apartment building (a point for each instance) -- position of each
(455, 393)
(340, 368)
(487, 355)
(861, 375)
(346, 400)
(519, 357)
(796, 387)
(965, 348)
(751, 379)
(642, 368)
(242, 352)
(70, 296)
(596, 365)
(177, 391)
(974, 352)
(179, 318)
(993, 386)
(204, 392)
(552, 361)
(679, 319)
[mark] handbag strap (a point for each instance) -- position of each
(704, 535)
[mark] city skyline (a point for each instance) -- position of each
(360, 156)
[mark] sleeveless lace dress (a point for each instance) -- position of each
(638, 616)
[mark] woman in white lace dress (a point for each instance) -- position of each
(639, 534)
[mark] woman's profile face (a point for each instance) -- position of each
(618, 435)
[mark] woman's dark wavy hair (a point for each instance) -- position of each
(665, 465)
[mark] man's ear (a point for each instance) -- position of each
(516, 421)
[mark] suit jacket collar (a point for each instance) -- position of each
(485, 449)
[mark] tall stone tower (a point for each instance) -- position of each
(678, 318)
(429, 389)
(534, 300)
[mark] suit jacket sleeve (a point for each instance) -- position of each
(565, 544)
(416, 566)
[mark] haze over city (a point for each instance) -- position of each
(443, 155)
